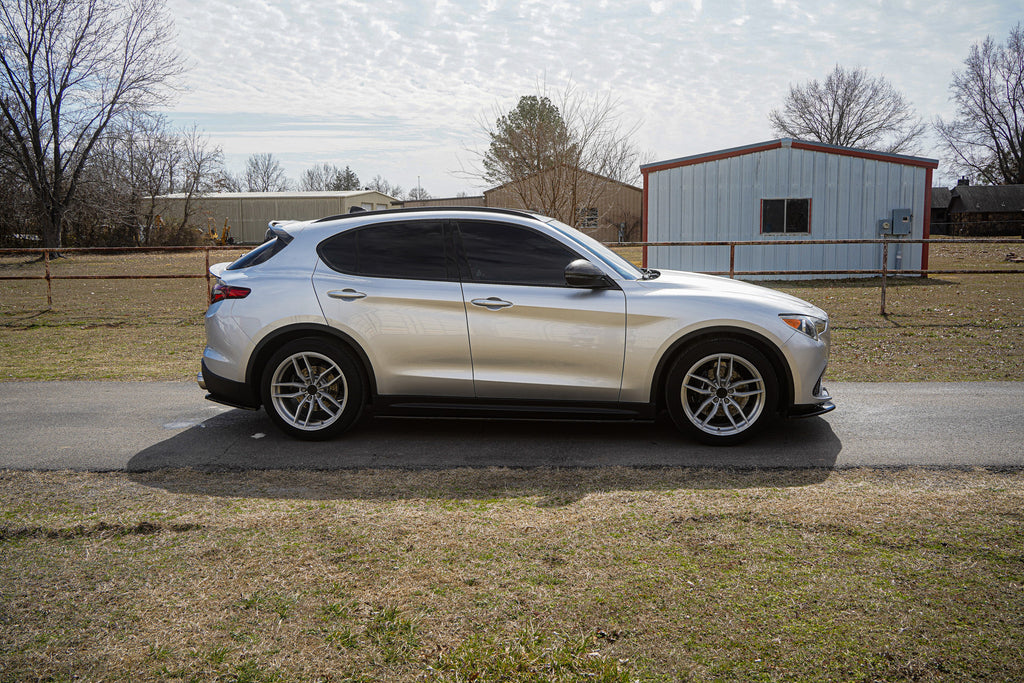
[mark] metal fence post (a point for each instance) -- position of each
(732, 259)
(885, 269)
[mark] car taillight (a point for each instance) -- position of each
(223, 291)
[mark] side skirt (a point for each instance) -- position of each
(419, 406)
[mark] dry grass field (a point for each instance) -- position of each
(606, 574)
(603, 574)
(945, 327)
(940, 328)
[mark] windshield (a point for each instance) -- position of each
(609, 257)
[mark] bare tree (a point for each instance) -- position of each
(200, 163)
(68, 69)
(986, 139)
(850, 109)
(138, 160)
(561, 154)
(263, 173)
(133, 163)
(15, 200)
(319, 178)
(381, 185)
(329, 178)
(419, 193)
(226, 181)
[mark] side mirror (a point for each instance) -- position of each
(584, 274)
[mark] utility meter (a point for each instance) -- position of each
(902, 221)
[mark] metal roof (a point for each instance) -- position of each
(987, 198)
(278, 195)
(793, 143)
(941, 197)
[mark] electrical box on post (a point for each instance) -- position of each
(902, 221)
(884, 227)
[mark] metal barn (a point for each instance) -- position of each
(248, 213)
(787, 190)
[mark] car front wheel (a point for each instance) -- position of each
(721, 391)
(312, 389)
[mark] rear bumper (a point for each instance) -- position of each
(234, 394)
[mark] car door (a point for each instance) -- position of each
(393, 287)
(531, 335)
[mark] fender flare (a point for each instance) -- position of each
(772, 352)
(271, 342)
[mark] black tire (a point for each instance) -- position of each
(312, 389)
(721, 391)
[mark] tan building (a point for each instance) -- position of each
(249, 213)
(475, 200)
(604, 208)
(598, 206)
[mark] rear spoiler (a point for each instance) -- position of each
(277, 229)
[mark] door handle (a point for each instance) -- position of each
(491, 303)
(345, 294)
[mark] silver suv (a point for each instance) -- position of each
(494, 312)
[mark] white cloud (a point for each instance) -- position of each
(368, 81)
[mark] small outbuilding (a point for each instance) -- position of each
(787, 190)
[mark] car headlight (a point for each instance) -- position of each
(808, 324)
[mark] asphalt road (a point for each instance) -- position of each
(141, 426)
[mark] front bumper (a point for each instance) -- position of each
(811, 409)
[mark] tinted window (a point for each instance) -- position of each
(260, 254)
(409, 251)
(515, 255)
(786, 215)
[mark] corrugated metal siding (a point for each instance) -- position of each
(720, 200)
(249, 213)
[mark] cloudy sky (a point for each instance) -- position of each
(398, 87)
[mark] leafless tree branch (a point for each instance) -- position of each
(69, 69)
(986, 139)
(850, 109)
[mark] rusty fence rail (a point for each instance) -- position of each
(50, 277)
(884, 272)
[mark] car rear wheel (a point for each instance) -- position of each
(721, 391)
(312, 389)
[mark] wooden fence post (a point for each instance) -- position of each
(49, 281)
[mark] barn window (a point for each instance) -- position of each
(785, 215)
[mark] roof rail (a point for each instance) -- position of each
(421, 209)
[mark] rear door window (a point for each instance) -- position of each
(408, 250)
